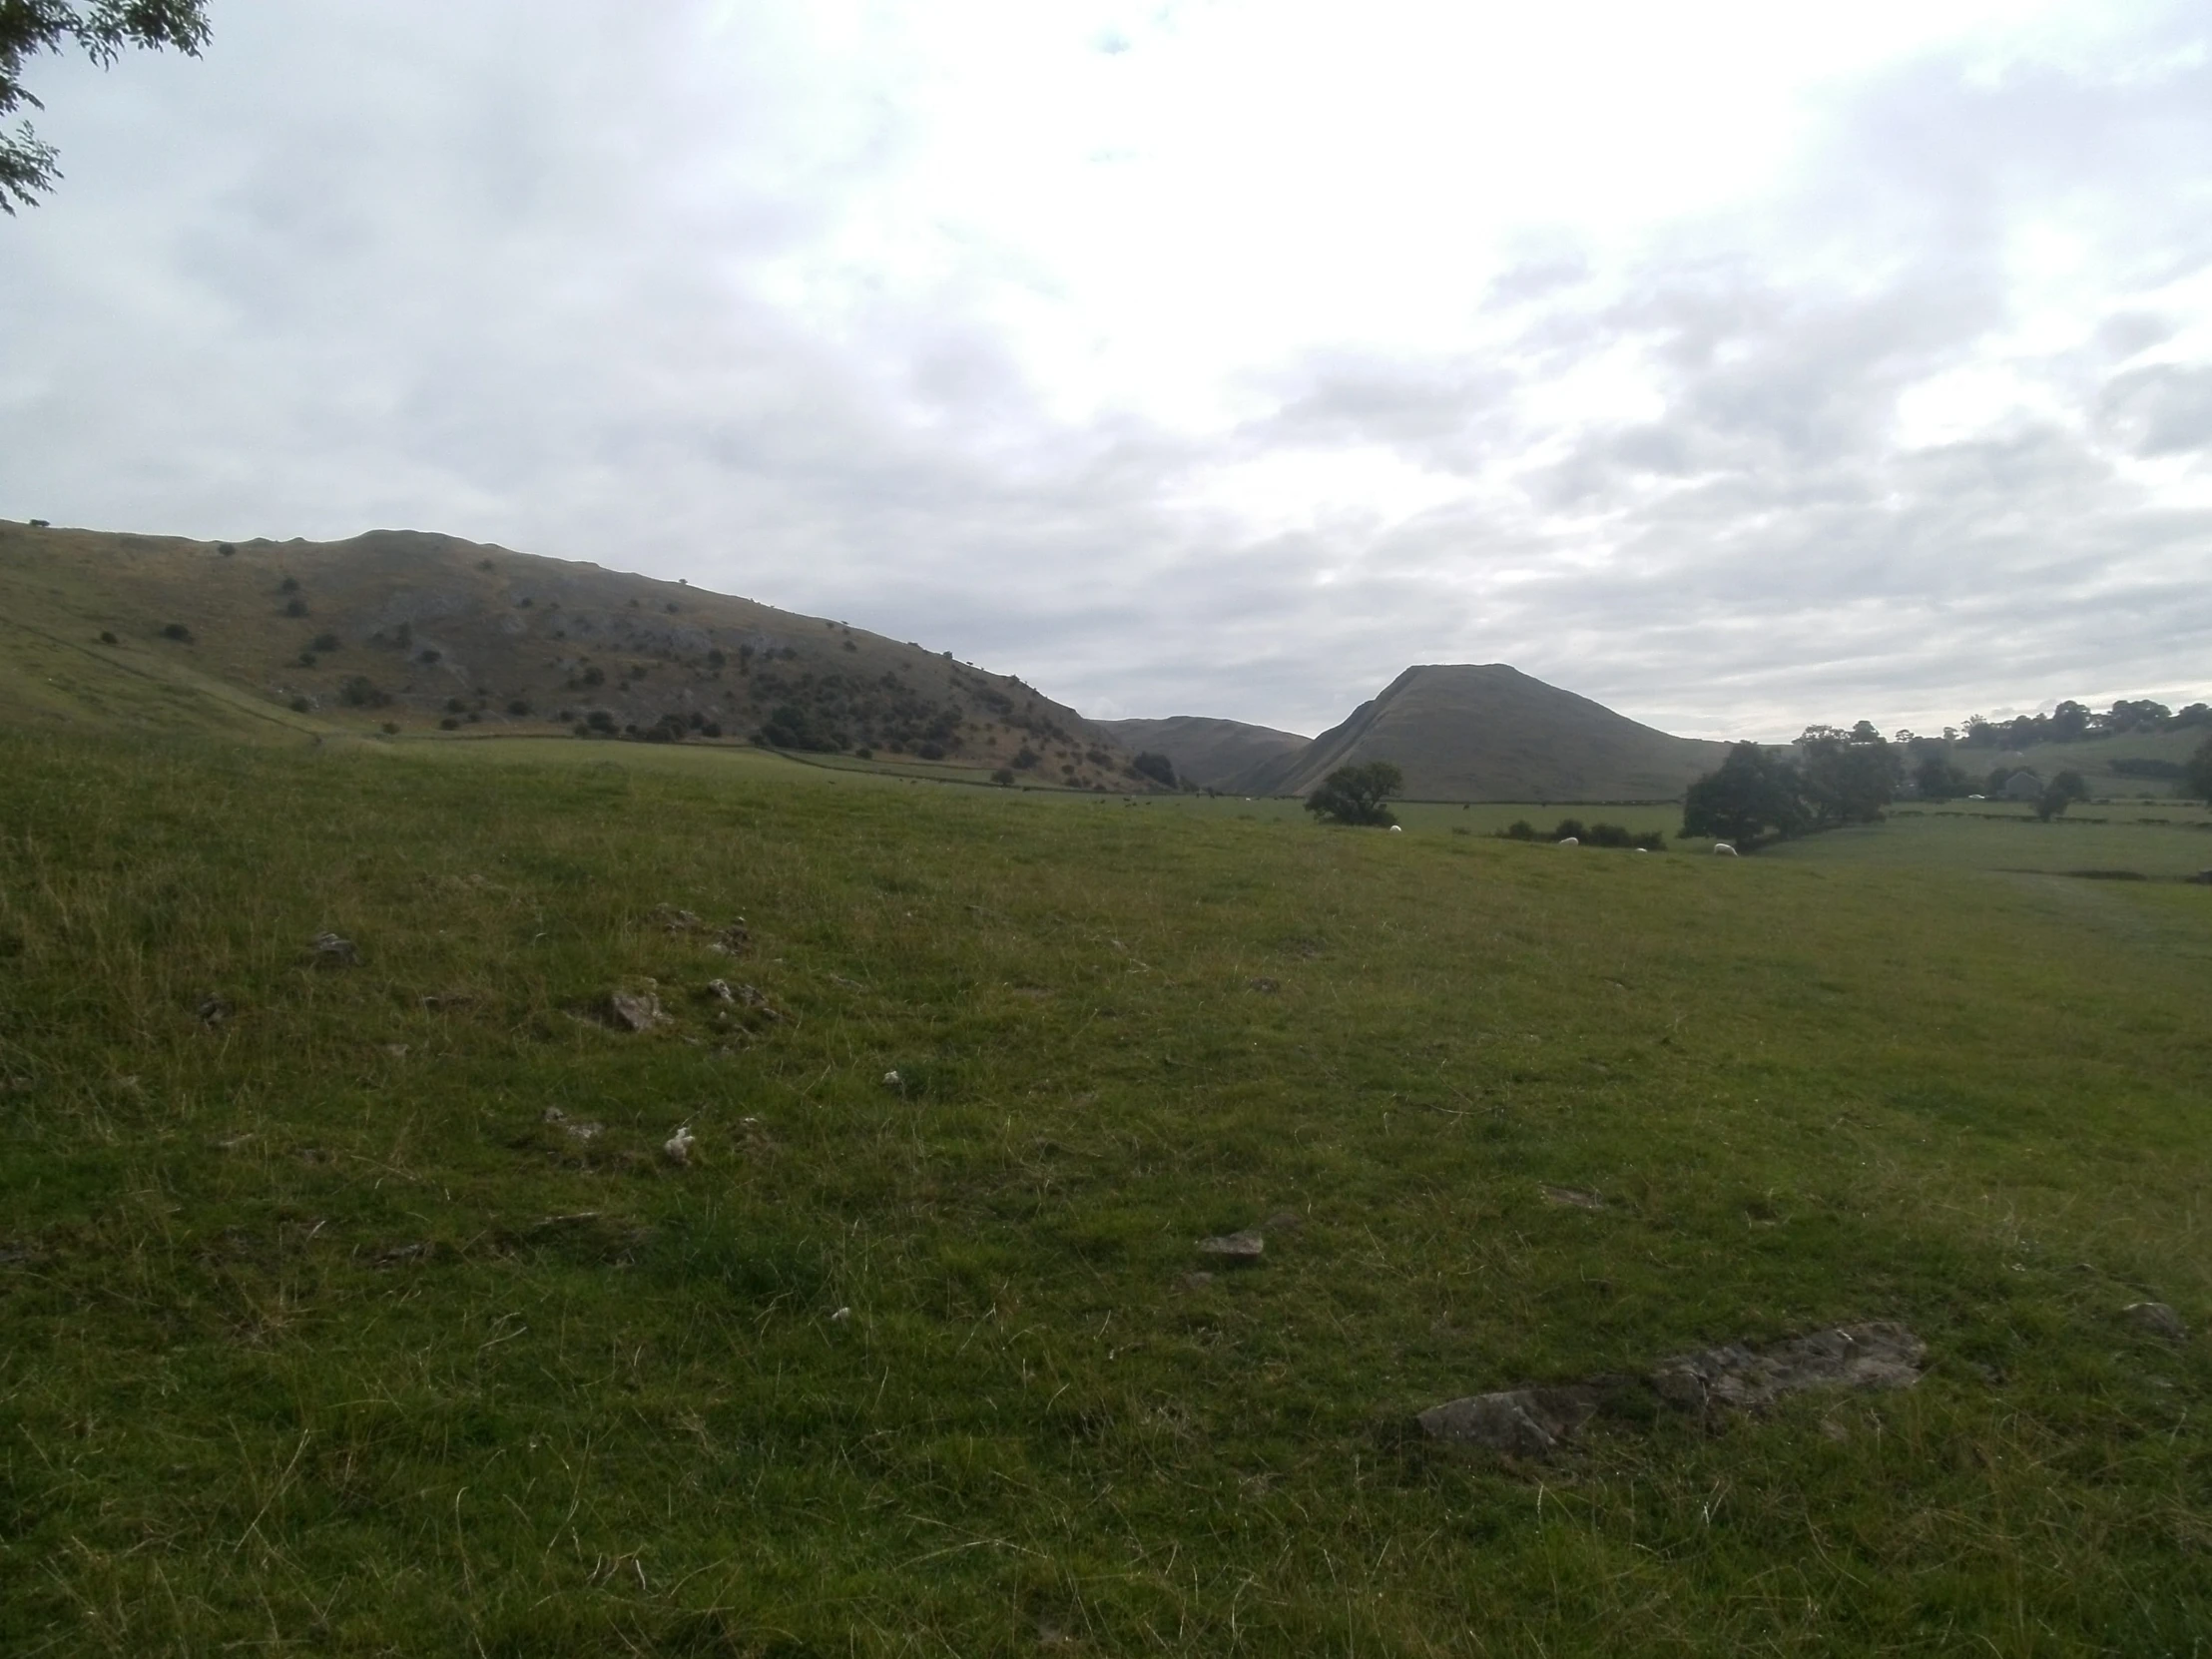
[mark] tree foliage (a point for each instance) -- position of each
(2196, 779)
(1752, 793)
(1356, 795)
(103, 29)
(1846, 776)
(2059, 794)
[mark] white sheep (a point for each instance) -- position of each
(1724, 849)
(1568, 840)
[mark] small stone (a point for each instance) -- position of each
(1579, 1197)
(1197, 1281)
(330, 950)
(398, 1051)
(720, 992)
(2157, 1319)
(213, 1011)
(842, 1315)
(678, 1147)
(677, 921)
(891, 1081)
(733, 941)
(1235, 1247)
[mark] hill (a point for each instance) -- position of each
(400, 631)
(1490, 733)
(1210, 753)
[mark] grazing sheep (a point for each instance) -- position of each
(1724, 849)
(1397, 829)
(1568, 840)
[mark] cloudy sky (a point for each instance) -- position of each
(1738, 364)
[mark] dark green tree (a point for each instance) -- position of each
(1938, 780)
(1751, 793)
(1356, 795)
(1158, 768)
(2196, 779)
(2059, 794)
(103, 29)
(1846, 776)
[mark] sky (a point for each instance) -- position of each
(1739, 365)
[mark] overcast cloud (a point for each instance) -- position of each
(1736, 367)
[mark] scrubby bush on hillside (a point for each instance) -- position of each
(177, 631)
(358, 690)
(1568, 829)
(1158, 768)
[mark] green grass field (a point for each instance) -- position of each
(321, 1337)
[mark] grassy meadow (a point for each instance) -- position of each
(357, 1309)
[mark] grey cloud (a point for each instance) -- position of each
(505, 287)
(2165, 409)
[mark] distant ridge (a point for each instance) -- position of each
(1212, 754)
(430, 634)
(1488, 732)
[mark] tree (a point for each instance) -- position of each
(1750, 793)
(1355, 795)
(1938, 780)
(2059, 794)
(103, 28)
(2197, 779)
(1847, 777)
(1158, 768)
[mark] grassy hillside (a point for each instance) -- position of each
(355, 1306)
(421, 633)
(1491, 732)
(1210, 753)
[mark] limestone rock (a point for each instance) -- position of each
(1877, 1354)
(1235, 1247)
(1526, 1421)
(2157, 1319)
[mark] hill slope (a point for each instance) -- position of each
(1487, 732)
(423, 632)
(1210, 753)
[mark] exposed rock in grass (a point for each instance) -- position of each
(1197, 1281)
(1533, 1421)
(330, 950)
(678, 1147)
(638, 1010)
(2157, 1319)
(731, 941)
(1579, 1197)
(673, 920)
(212, 1011)
(392, 1256)
(576, 1130)
(1878, 1354)
(1247, 1245)
(717, 990)
(1526, 1422)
